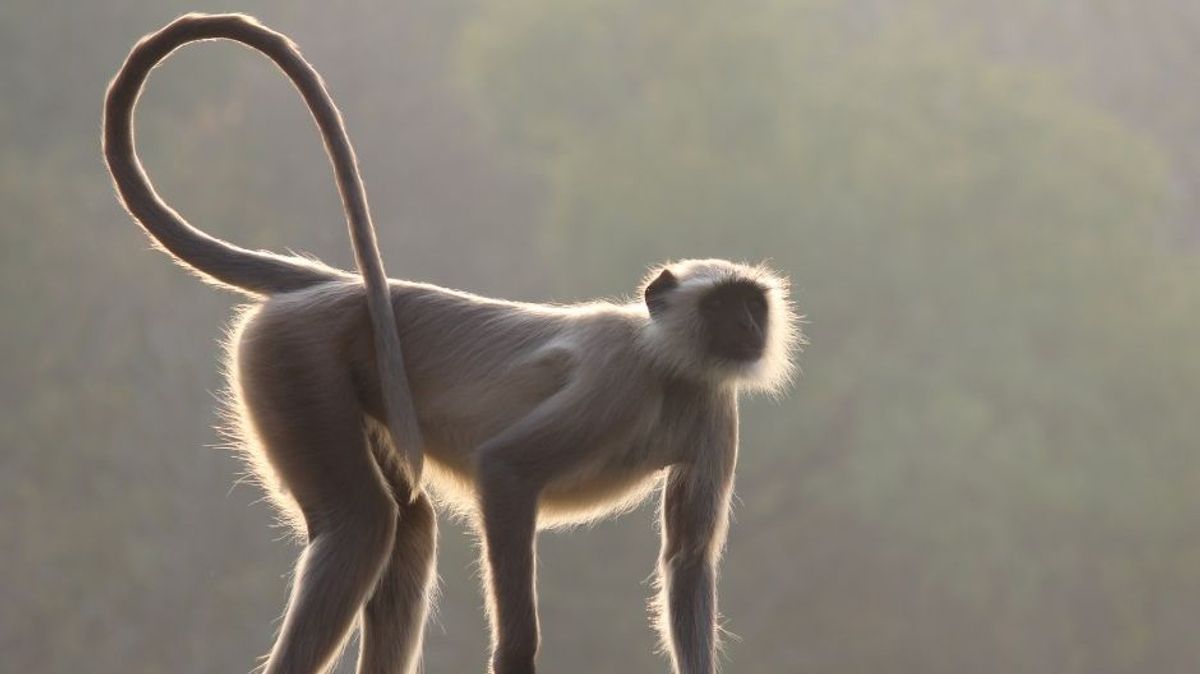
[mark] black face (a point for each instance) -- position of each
(735, 320)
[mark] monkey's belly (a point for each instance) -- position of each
(605, 494)
(569, 501)
(460, 419)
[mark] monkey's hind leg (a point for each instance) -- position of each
(304, 411)
(393, 621)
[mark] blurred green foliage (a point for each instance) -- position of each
(988, 212)
(1003, 367)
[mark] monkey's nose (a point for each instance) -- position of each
(749, 325)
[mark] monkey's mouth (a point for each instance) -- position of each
(742, 351)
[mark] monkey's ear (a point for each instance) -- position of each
(656, 292)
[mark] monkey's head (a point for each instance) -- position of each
(718, 320)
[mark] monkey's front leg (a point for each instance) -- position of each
(509, 505)
(695, 517)
(512, 468)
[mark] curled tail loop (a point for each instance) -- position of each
(260, 272)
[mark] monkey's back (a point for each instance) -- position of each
(475, 365)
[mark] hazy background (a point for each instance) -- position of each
(990, 210)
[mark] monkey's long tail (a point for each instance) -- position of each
(253, 272)
(262, 272)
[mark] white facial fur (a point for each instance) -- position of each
(675, 337)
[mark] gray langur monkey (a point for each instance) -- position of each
(531, 416)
